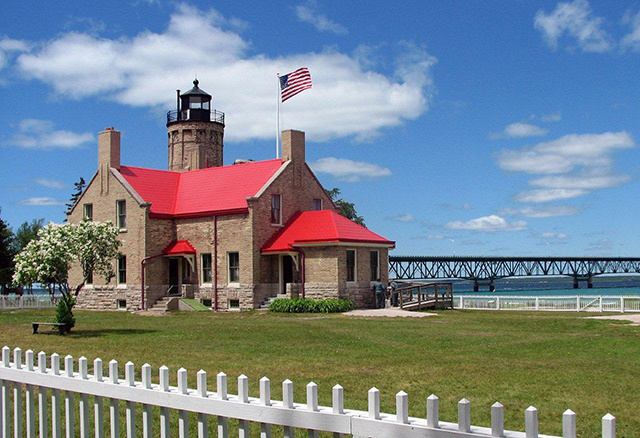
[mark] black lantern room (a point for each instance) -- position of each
(194, 106)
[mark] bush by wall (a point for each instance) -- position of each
(305, 305)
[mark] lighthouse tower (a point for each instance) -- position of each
(195, 132)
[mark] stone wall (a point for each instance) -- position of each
(107, 297)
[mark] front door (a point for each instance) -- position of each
(174, 276)
(287, 273)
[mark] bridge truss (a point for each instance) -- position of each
(488, 269)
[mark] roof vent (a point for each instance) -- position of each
(243, 161)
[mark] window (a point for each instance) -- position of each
(207, 302)
(121, 208)
(122, 304)
(375, 265)
(234, 304)
(234, 267)
(88, 212)
(351, 265)
(276, 210)
(205, 105)
(206, 268)
(89, 278)
(122, 270)
(317, 204)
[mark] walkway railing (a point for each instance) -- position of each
(416, 294)
(18, 302)
(550, 303)
(147, 394)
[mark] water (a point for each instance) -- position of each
(554, 286)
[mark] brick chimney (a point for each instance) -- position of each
(109, 148)
(293, 147)
(108, 156)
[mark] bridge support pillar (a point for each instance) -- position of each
(476, 286)
(589, 284)
(492, 287)
(576, 285)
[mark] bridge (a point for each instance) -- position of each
(484, 270)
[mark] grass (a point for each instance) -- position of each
(194, 304)
(553, 361)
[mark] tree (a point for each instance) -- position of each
(6, 255)
(47, 259)
(347, 209)
(25, 234)
(78, 189)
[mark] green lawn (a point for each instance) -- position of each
(549, 360)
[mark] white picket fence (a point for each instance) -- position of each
(550, 303)
(19, 302)
(262, 410)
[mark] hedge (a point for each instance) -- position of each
(305, 305)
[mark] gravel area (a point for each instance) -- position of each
(388, 313)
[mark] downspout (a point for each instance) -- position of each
(142, 270)
(302, 268)
(215, 263)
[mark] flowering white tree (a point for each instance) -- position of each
(47, 259)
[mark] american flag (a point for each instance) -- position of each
(294, 83)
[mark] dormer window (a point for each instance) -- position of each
(317, 204)
(276, 210)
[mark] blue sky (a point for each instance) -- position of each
(456, 127)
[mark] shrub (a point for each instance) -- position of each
(305, 305)
(64, 313)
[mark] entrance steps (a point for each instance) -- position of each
(265, 304)
(165, 304)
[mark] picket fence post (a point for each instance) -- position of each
(221, 392)
(569, 424)
(265, 400)
(42, 397)
(338, 404)
(497, 420)
(163, 375)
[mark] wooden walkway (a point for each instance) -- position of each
(418, 296)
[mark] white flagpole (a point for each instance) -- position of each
(278, 119)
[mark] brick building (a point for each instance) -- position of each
(231, 236)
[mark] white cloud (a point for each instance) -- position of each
(566, 153)
(552, 117)
(435, 237)
(583, 181)
(50, 183)
(308, 13)
(348, 170)
(553, 236)
(487, 224)
(521, 130)
(542, 211)
(9, 47)
(632, 39)
(407, 217)
(572, 166)
(577, 20)
(347, 99)
(455, 207)
(539, 196)
(40, 134)
(41, 202)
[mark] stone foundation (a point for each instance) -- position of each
(108, 297)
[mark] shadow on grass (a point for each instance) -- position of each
(80, 333)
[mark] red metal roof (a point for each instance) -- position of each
(325, 226)
(178, 247)
(204, 192)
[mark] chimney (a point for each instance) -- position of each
(108, 156)
(293, 146)
(109, 149)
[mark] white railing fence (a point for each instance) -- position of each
(184, 400)
(20, 302)
(549, 303)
